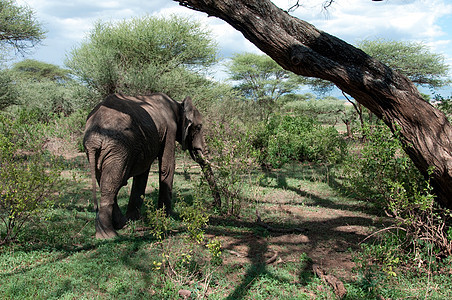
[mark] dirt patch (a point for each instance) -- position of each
(61, 147)
(325, 235)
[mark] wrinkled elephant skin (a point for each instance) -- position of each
(123, 136)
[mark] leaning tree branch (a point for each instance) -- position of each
(301, 48)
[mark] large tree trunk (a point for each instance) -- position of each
(301, 48)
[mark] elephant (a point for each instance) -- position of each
(123, 136)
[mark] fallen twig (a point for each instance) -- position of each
(83, 227)
(273, 258)
(381, 230)
(335, 283)
(235, 253)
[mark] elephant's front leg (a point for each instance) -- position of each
(166, 175)
(136, 196)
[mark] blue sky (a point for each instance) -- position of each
(426, 21)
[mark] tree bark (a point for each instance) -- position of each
(303, 49)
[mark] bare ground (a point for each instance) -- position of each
(325, 235)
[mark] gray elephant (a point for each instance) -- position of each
(123, 136)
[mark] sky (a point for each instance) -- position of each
(68, 23)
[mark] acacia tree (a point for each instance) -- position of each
(301, 48)
(261, 80)
(18, 30)
(34, 70)
(47, 89)
(414, 60)
(143, 55)
(18, 26)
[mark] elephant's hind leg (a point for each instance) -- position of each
(136, 196)
(109, 217)
(119, 220)
(104, 224)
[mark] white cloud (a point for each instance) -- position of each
(355, 19)
(68, 22)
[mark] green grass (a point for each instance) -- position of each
(56, 257)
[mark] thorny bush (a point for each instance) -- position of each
(286, 138)
(29, 180)
(381, 173)
(234, 159)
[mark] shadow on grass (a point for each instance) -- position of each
(257, 249)
(317, 233)
(315, 174)
(321, 238)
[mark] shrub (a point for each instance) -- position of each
(381, 173)
(195, 219)
(157, 220)
(194, 257)
(445, 105)
(298, 138)
(8, 90)
(49, 98)
(233, 158)
(28, 181)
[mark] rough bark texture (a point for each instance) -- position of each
(301, 48)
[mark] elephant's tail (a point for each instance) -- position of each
(92, 166)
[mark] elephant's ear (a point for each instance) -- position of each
(187, 120)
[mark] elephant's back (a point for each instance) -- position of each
(120, 114)
(121, 125)
(108, 123)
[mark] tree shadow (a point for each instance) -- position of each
(257, 248)
(282, 182)
(319, 240)
(258, 243)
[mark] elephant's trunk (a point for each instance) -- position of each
(206, 168)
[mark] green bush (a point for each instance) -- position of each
(234, 159)
(28, 180)
(157, 220)
(8, 90)
(194, 218)
(47, 99)
(445, 105)
(380, 172)
(298, 138)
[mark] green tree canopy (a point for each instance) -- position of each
(415, 60)
(143, 55)
(44, 89)
(34, 70)
(19, 28)
(260, 79)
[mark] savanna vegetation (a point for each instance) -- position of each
(319, 199)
